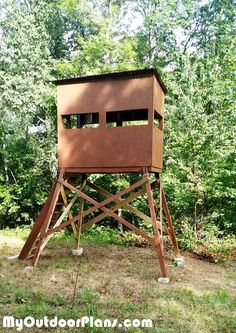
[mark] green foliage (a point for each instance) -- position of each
(191, 43)
(26, 136)
(131, 239)
(102, 235)
(206, 311)
(215, 244)
(107, 48)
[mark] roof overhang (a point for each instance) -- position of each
(134, 74)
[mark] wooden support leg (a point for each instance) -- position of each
(168, 217)
(48, 219)
(161, 215)
(170, 225)
(158, 238)
(81, 209)
(37, 227)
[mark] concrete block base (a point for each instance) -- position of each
(78, 252)
(179, 261)
(163, 280)
(13, 257)
(28, 271)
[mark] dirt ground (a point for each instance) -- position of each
(121, 282)
(101, 267)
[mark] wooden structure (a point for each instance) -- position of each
(109, 123)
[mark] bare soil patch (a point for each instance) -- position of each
(117, 268)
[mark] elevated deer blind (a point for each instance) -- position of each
(109, 123)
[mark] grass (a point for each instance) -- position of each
(116, 282)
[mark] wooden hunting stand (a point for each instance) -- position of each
(109, 123)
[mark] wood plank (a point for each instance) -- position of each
(159, 240)
(97, 205)
(113, 209)
(170, 224)
(107, 201)
(64, 197)
(48, 218)
(32, 238)
(125, 205)
(58, 222)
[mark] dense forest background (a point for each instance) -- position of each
(190, 42)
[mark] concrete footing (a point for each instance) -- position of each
(28, 271)
(78, 252)
(163, 280)
(179, 261)
(16, 256)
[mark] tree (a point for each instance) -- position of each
(107, 48)
(26, 104)
(192, 45)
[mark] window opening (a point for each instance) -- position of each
(127, 118)
(158, 120)
(66, 121)
(74, 120)
(89, 120)
(82, 120)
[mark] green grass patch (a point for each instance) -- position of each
(111, 285)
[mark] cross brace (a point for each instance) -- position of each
(50, 222)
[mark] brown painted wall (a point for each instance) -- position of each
(104, 147)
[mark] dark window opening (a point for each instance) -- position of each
(66, 121)
(158, 120)
(74, 120)
(82, 120)
(89, 120)
(127, 118)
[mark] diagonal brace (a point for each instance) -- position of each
(96, 204)
(121, 203)
(101, 205)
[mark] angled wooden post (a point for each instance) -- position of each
(168, 216)
(47, 219)
(32, 238)
(158, 238)
(81, 209)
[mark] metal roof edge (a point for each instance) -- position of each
(115, 75)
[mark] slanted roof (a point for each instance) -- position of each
(115, 76)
